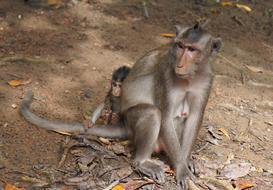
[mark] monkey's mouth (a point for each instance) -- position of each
(183, 75)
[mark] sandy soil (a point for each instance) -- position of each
(71, 51)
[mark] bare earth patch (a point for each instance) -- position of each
(72, 50)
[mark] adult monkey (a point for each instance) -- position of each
(154, 95)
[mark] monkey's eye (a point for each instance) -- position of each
(192, 49)
(180, 45)
(114, 84)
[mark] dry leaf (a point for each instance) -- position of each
(244, 7)
(125, 143)
(170, 171)
(224, 132)
(192, 186)
(54, 2)
(167, 35)
(214, 134)
(243, 184)
(135, 184)
(240, 6)
(126, 171)
(104, 140)
(254, 69)
(118, 149)
(227, 3)
(19, 82)
(63, 133)
(234, 171)
(212, 141)
(220, 184)
(118, 187)
(12, 187)
(229, 158)
(259, 169)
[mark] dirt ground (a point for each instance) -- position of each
(67, 55)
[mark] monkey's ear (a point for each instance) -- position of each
(216, 45)
(178, 29)
(196, 26)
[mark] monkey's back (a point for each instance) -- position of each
(138, 87)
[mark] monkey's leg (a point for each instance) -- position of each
(145, 121)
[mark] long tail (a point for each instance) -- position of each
(69, 128)
(109, 131)
(57, 126)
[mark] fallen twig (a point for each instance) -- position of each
(116, 182)
(192, 186)
(202, 148)
(145, 9)
(238, 20)
(65, 152)
(259, 84)
(234, 65)
(225, 185)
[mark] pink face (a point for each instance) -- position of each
(116, 89)
(186, 56)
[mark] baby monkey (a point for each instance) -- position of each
(109, 111)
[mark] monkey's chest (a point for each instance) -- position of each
(182, 110)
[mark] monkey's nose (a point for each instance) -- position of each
(180, 65)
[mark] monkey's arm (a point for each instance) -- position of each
(191, 129)
(193, 122)
(97, 113)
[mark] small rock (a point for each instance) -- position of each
(39, 166)
(2, 167)
(20, 16)
(88, 93)
(5, 125)
(14, 106)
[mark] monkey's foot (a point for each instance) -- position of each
(152, 169)
(193, 168)
(182, 176)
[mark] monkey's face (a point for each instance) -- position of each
(187, 57)
(116, 88)
(192, 49)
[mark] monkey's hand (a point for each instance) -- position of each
(115, 118)
(87, 124)
(183, 174)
